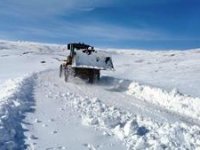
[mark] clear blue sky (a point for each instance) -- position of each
(144, 24)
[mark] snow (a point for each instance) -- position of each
(61, 123)
(162, 69)
(151, 100)
(173, 100)
(19, 58)
(14, 104)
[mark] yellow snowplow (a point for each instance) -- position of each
(85, 62)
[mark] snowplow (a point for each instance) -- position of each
(85, 62)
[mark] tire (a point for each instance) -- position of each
(91, 76)
(98, 76)
(66, 75)
(91, 80)
(61, 71)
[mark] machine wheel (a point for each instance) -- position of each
(91, 80)
(71, 71)
(91, 76)
(66, 75)
(98, 75)
(68, 72)
(61, 71)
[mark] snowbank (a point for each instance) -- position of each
(15, 100)
(173, 100)
(135, 131)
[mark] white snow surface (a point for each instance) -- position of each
(150, 101)
(173, 100)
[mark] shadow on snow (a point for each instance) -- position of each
(14, 131)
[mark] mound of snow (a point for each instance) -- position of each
(173, 100)
(135, 131)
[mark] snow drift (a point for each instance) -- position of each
(173, 100)
(135, 131)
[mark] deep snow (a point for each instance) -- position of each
(150, 101)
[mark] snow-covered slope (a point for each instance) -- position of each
(150, 101)
(163, 69)
(19, 58)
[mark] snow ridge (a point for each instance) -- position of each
(135, 131)
(173, 100)
(15, 100)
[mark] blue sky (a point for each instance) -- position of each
(143, 24)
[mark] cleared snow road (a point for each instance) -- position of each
(56, 124)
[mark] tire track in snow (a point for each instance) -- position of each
(54, 125)
(16, 99)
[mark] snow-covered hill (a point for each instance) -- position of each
(150, 101)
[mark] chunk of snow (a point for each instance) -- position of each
(130, 127)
